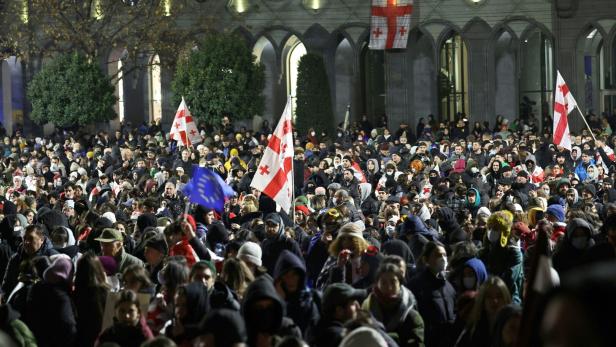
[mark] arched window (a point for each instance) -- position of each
(266, 55)
(345, 58)
(373, 84)
(294, 49)
(156, 94)
(590, 67)
(453, 77)
(537, 76)
(12, 94)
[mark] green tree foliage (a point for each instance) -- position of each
(314, 105)
(70, 90)
(220, 77)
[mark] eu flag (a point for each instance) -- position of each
(207, 188)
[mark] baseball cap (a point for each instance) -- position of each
(110, 235)
(338, 294)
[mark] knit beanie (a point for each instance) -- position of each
(363, 337)
(558, 211)
(250, 252)
(60, 271)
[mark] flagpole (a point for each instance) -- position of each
(292, 173)
(585, 122)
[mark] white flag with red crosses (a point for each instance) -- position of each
(564, 103)
(390, 22)
(274, 176)
(184, 130)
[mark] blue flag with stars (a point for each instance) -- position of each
(208, 189)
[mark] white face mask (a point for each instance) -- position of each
(493, 236)
(312, 133)
(335, 201)
(390, 173)
(469, 282)
(579, 242)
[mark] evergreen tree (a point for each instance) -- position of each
(314, 105)
(70, 90)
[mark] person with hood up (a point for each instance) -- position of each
(340, 306)
(49, 311)
(223, 328)
(449, 225)
(395, 306)
(303, 304)
(399, 250)
(370, 263)
(63, 241)
(367, 203)
(572, 198)
(264, 313)
(11, 237)
(501, 255)
(572, 249)
(372, 172)
(473, 201)
(581, 169)
(416, 234)
(35, 243)
(275, 242)
(191, 305)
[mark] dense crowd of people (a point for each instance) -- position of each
(432, 236)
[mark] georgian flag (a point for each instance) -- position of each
(183, 129)
(390, 23)
(564, 103)
(274, 176)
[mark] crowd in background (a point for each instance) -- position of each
(415, 236)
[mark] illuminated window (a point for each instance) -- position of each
(453, 77)
(238, 6)
(156, 95)
(295, 52)
(120, 91)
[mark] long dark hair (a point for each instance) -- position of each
(90, 272)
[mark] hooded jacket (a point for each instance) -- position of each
(368, 204)
(197, 300)
(403, 320)
(304, 305)
(448, 223)
(566, 256)
(273, 246)
(417, 235)
(270, 322)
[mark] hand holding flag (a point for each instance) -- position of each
(184, 130)
(208, 189)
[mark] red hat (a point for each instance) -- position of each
(303, 209)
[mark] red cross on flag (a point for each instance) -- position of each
(274, 176)
(184, 130)
(389, 23)
(564, 103)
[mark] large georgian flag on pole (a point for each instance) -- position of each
(389, 23)
(184, 130)
(564, 103)
(274, 176)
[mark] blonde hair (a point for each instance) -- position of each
(493, 282)
(359, 246)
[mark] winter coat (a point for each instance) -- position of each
(15, 328)
(303, 306)
(316, 257)
(401, 320)
(12, 269)
(272, 248)
(506, 263)
(435, 301)
(125, 260)
(125, 335)
(279, 324)
(89, 310)
(50, 315)
(327, 333)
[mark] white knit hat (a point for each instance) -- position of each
(110, 215)
(250, 252)
(363, 337)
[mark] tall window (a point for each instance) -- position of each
(295, 52)
(120, 91)
(536, 77)
(156, 95)
(453, 77)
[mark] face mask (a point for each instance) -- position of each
(441, 265)
(493, 236)
(312, 133)
(390, 173)
(469, 282)
(579, 242)
(335, 201)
